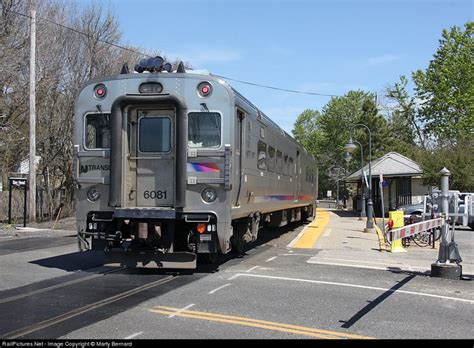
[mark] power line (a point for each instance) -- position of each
(146, 55)
(81, 33)
(277, 88)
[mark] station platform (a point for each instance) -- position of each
(338, 238)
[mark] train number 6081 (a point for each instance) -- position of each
(154, 194)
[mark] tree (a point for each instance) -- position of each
(65, 59)
(306, 131)
(439, 117)
(325, 133)
(405, 123)
(446, 88)
(457, 158)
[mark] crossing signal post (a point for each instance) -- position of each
(447, 265)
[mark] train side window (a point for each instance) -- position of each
(97, 131)
(285, 164)
(271, 159)
(262, 155)
(291, 168)
(204, 129)
(279, 162)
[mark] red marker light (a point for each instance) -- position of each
(100, 91)
(204, 89)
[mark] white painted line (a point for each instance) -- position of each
(251, 269)
(271, 259)
(347, 260)
(291, 251)
(326, 233)
(352, 263)
(221, 287)
(180, 310)
(234, 276)
(387, 268)
(133, 335)
(357, 286)
(297, 254)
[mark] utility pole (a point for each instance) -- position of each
(32, 167)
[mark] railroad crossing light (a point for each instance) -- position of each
(390, 224)
(435, 202)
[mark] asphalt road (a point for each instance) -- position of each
(51, 291)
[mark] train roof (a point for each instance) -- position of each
(206, 73)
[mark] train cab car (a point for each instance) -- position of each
(170, 165)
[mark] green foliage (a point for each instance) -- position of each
(459, 159)
(439, 117)
(405, 126)
(325, 134)
(305, 130)
(447, 86)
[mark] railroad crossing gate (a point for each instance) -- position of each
(396, 235)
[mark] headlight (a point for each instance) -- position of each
(93, 194)
(209, 195)
(435, 206)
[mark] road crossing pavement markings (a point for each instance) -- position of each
(133, 335)
(178, 311)
(387, 267)
(354, 286)
(311, 233)
(219, 288)
(261, 324)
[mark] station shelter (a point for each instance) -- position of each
(402, 183)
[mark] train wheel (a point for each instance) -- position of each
(304, 215)
(237, 240)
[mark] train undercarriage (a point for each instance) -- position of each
(177, 242)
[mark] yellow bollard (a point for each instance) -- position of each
(397, 218)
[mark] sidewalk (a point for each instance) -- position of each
(343, 242)
(64, 227)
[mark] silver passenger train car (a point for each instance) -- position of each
(170, 165)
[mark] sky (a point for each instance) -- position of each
(327, 47)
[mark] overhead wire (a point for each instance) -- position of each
(147, 55)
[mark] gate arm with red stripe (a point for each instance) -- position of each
(411, 230)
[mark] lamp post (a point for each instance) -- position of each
(350, 147)
(348, 158)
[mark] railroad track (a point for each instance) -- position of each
(31, 314)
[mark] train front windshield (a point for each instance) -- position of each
(204, 129)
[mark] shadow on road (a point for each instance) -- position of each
(90, 260)
(346, 213)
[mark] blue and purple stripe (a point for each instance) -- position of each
(203, 167)
(273, 198)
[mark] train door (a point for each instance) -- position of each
(152, 154)
(297, 175)
(238, 153)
